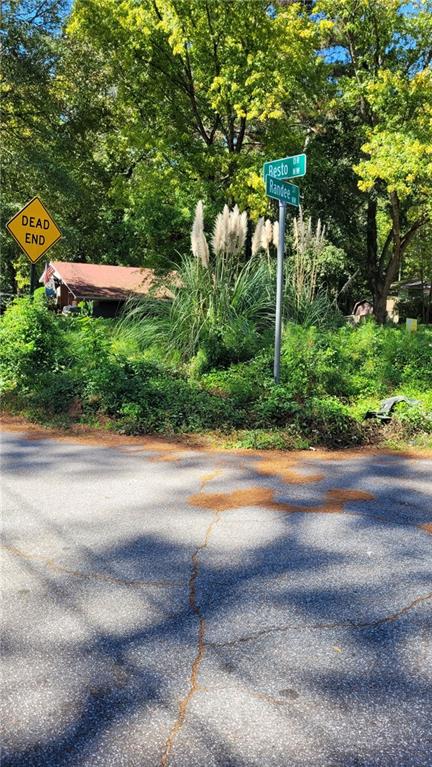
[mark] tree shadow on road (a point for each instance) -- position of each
(304, 630)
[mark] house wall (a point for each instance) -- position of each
(101, 307)
(391, 307)
(107, 308)
(66, 297)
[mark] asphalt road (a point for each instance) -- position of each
(195, 609)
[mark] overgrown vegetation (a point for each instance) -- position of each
(219, 305)
(135, 110)
(65, 369)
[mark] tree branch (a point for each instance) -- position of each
(408, 236)
(214, 41)
(385, 248)
(193, 99)
(241, 135)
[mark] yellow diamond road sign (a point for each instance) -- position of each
(34, 229)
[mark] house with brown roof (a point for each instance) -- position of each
(107, 287)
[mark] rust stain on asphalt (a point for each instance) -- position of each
(209, 477)
(218, 502)
(427, 527)
(83, 434)
(90, 576)
(280, 460)
(336, 499)
(163, 451)
(264, 496)
(284, 467)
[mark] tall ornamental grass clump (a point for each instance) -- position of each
(307, 301)
(220, 308)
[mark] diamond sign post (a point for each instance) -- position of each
(35, 231)
(275, 173)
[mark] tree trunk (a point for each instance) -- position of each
(380, 305)
(248, 243)
(428, 307)
(390, 258)
(372, 243)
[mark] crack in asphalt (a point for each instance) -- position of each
(391, 618)
(334, 502)
(56, 567)
(219, 503)
(201, 642)
(209, 477)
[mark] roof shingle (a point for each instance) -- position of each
(101, 281)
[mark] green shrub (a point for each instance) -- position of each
(74, 366)
(276, 407)
(410, 424)
(412, 358)
(30, 343)
(243, 383)
(312, 363)
(354, 361)
(413, 418)
(170, 403)
(328, 422)
(54, 394)
(377, 360)
(276, 439)
(102, 378)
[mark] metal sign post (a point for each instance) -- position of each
(275, 174)
(32, 279)
(279, 290)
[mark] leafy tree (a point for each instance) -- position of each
(399, 161)
(30, 53)
(126, 113)
(58, 122)
(209, 89)
(45, 130)
(381, 54)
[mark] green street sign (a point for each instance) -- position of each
(283, 191)
(286, 167)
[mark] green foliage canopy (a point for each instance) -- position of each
(208, 88)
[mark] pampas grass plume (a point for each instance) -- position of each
(199, 244)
